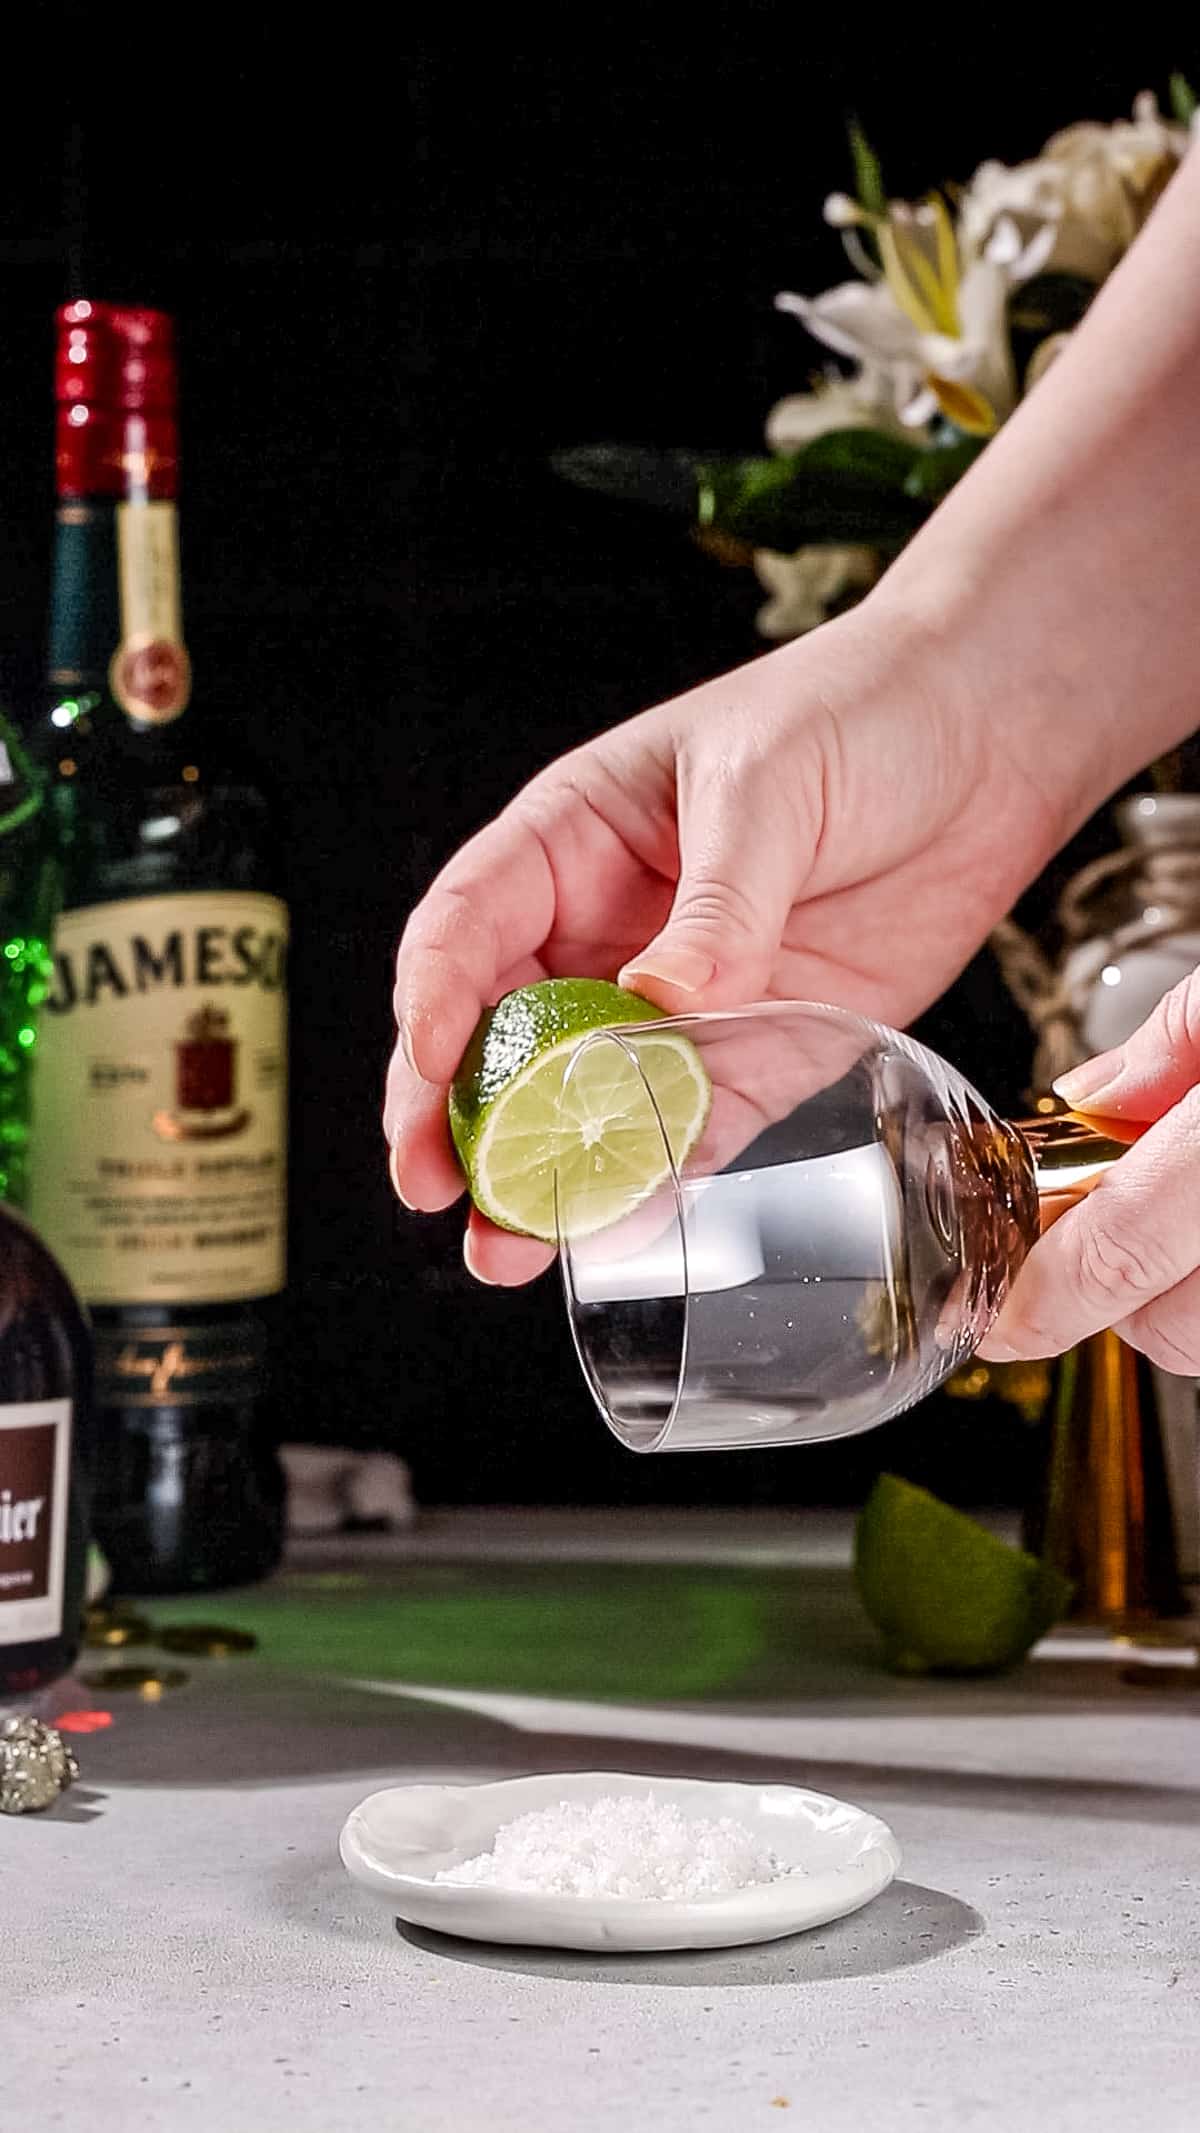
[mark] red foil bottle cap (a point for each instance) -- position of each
(114, 384)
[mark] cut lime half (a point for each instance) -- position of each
(556, 1133)
(946, 1595)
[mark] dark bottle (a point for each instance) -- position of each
(45, 1450)
(158, 1154)
(29, 895)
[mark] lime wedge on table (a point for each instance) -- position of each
(944, 1593)
(527, 1131)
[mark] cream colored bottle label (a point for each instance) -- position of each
(158, 1159)
(150, 674)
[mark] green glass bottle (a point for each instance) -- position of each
(158, 1156)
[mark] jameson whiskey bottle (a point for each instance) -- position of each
(157, 1165)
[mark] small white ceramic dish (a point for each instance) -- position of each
(398, 1840)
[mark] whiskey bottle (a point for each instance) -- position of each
(158, 1151)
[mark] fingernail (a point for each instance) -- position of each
(686, 969)
(1083, 1084)
(469, 1262)
(406, 1048)
(393, 1164)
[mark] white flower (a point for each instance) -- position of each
(928, 325)
(935, 331)
(963, 367)
(804, 586)
(862, 319)
(1029, 198)
(835, 403)
(1136, 148)
(1088, 193)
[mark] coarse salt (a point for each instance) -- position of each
(624, 1846)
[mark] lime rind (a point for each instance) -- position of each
(530, 1021)
(556, 1133)
(946, 1595)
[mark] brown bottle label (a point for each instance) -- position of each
(35, 1480)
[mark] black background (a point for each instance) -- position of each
(401, 280)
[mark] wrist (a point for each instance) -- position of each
(1023, 688)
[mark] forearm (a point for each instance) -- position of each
(1059, 581)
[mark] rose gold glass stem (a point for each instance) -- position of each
(1070, 1155)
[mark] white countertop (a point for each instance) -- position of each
(184, 1949)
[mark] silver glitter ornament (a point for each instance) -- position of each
(35, 1766)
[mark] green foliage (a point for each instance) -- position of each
(855, 485)
(868, 178)
(1183, 100)
(633, 474)
(936, 469)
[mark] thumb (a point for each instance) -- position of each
(1127, 1256)
(736, 870)
(1152, 1070)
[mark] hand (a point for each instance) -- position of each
(846, 819)
(830, 823)
(1129, 1255)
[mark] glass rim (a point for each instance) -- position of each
(629, 1036)
(620, 1035)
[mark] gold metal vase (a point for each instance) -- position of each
(1104, 1518)
(1105, 1515)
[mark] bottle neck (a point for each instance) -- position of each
(116, 625)
(85, 622)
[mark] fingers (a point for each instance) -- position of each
(737, 870)
(499, 1258)
(491, 907)
(1143, 1077)
(1168, 1330)
(422, 1164)
(426, 1176)
(1124, 1257)
(486, 913)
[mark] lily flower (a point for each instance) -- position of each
(834, 402)
(1092, 185)
(803, 587)
(939, 333)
